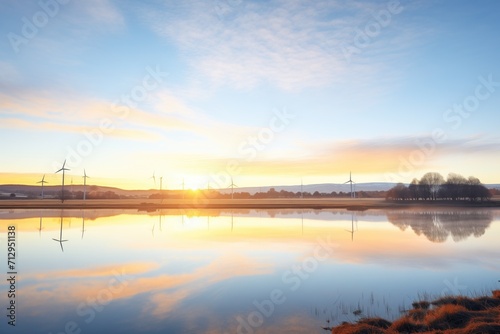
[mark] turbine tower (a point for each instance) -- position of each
(63, 169)
(85, 184)
(301, 188)
(42, 182)
(351, 182)
(232, 185)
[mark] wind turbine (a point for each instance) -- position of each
(351, 182)
(301, 189)
(232, 185)
(161, 183)
(63, 169)
(42, 182)
(85, 184)
(60, 240)
(154, 178)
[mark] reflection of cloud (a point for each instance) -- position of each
(71, 287)
(217, 271)
(129, 269)
(437, 226)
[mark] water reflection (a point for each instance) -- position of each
(40, 227)
(198, 274)
(437, 226)
(60, 240)
(351, 231)
(83, 223)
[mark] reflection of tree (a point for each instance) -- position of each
(438, 225)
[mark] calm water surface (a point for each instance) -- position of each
(211, 271)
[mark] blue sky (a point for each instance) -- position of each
(358, 86)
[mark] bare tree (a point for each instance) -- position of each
(433, 182)
(454, 188)
(414, 189)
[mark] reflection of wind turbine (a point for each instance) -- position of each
(352, 227)
(63, 169)
(232, 185)
(60, 240)
(83, 223)
(302, 222)
(42, 182)
(85, 184)
(40, 228)
(160, 220)
(353, 195)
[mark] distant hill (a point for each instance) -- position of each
(29, 190)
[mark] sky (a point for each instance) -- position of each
(265, 92)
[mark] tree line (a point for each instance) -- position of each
(271, 193)
(433, 186)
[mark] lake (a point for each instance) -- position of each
(238, 271)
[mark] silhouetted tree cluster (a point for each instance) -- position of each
(271, 193)
(432, 186)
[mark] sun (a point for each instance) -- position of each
(194, 183)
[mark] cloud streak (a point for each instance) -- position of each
(291, 45)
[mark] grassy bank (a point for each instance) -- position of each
(447, 315)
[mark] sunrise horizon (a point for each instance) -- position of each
(195, 92)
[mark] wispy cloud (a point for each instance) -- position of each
(164, 115)
(291, 45)
(374, 156)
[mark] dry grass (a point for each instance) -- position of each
(447, 315)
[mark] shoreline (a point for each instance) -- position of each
(446, 315)
(356, 204)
